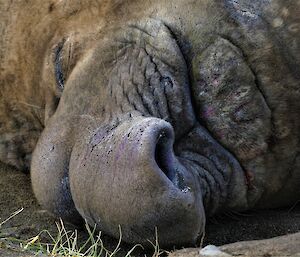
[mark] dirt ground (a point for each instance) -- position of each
(16, 193)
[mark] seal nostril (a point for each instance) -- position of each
(164, 156)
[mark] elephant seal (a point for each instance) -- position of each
(152, 114)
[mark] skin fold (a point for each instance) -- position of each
(152, 114)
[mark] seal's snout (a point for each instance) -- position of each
(135, 180)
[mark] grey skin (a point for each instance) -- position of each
(153, 114)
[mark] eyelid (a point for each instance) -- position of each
(58, 67)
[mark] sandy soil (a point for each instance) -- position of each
(16, 193)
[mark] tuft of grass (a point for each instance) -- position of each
(65, 243)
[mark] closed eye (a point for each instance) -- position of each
(58, 66)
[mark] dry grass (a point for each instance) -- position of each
(66, 243)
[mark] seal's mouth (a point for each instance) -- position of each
(218, 174)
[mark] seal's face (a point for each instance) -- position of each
(150, 122)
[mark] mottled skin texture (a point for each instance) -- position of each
(152, 113)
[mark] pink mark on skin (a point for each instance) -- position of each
(249, 176)
(220, 133)
(208, 112)
(215, 82)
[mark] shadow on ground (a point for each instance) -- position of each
(16, 193)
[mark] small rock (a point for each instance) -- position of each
(213, 251)
(208, 251)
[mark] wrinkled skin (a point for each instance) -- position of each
(152, 114)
